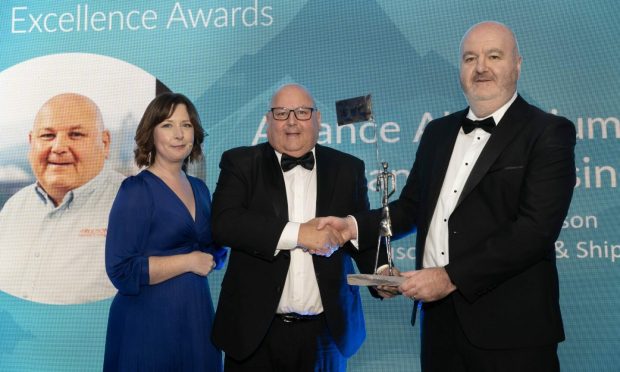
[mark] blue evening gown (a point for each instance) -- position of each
(167, 326)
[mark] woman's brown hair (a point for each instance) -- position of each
(160, 109)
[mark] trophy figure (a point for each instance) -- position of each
(357, 110)
(386, 184)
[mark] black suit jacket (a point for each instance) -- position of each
(503, 229)
(249, 213)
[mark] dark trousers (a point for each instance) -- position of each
(445, 348)
(297, 346)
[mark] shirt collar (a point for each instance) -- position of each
(498, 114)
(75, 194)
(279, 154)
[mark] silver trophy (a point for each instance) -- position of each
(359, 110)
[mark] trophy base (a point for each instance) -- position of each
(367, 280)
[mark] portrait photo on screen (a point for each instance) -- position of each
(67, 145)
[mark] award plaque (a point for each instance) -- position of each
(375, 280)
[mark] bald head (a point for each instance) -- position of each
(490, 65)
(69, 106)
(68, 144)
(495, 27)
(293, 136)
(288, 89)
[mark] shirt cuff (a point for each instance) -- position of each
(355, 242)
(288, 238)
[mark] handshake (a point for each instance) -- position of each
(324, 235)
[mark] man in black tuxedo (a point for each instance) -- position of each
(285, 304)
(488, 202)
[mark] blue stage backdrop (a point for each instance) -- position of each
(228, 56)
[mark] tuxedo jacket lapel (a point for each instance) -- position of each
(325, 181)
(274, 182)
(443, 151)
(501, 137)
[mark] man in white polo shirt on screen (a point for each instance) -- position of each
(52, 233)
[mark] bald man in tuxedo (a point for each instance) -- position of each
(285, 304)
(488, 192)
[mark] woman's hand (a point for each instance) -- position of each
(200, 263)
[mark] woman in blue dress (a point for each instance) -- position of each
(159, 250)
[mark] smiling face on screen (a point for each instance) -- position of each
(68, 145)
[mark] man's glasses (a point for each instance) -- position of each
(301, 113)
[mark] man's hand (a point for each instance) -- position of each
(345, 226)
(427, 284)
(384, 290)
(322, 242)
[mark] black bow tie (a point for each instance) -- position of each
(288, 162)
(487, 124)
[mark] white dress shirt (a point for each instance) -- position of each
(301, 290)
(55, 255)
(465, 153)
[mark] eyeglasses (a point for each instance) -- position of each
(301, 113)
